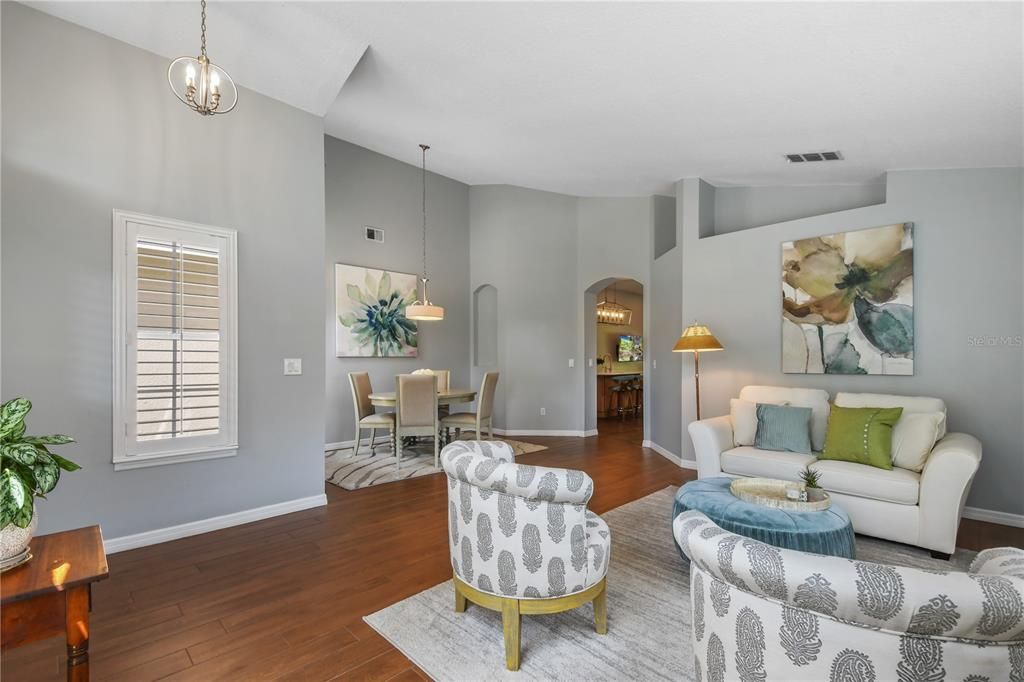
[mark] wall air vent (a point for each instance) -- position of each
(374, 234)
(814, 156)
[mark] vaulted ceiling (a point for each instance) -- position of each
(623, 99)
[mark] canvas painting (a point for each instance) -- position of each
(848, 302)
(370, 316)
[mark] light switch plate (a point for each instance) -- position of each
(572, 362)
(590, 362)
(292, 366)
(655, 364)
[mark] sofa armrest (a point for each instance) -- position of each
(711, 437)
(945, 482)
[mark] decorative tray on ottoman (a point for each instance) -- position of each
(771, 492)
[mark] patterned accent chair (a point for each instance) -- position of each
(760, 613)
(522, 540)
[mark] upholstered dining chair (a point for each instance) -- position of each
(483, 415)
(367, 416)
(416, 411)
(521, 538)
(444, 378)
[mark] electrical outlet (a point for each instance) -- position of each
(543, 411)
(572, 363)
(292, 366)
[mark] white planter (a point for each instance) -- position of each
(14, 540)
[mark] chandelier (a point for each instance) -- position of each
(610, 312)
(201, 85)
(423, 309)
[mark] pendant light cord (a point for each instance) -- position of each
(202, 27)
(424, 148)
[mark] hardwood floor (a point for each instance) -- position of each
(284, 598)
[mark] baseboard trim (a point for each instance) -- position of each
(991, 516)
(543, 432)
(669, 455)
(184, 530)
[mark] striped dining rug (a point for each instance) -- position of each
(352, 472)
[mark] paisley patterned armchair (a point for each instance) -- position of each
(763, 613)
(522, 540)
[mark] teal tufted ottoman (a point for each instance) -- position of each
(819, 532)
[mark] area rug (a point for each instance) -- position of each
(648, 614)
(352, 472)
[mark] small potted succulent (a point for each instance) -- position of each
(27, 470)
(811, 478)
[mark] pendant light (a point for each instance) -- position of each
(201, 85)
(423, 309)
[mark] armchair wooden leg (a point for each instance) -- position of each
(511, 621)
(601, 612)
(460, 601)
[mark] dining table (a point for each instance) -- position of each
(450, 396)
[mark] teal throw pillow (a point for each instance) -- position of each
(783, 428)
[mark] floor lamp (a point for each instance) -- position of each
(697, 339)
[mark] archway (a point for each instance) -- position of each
(608, 341)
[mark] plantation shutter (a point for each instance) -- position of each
(177, 390)
(178, 354)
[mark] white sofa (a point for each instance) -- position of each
(763, 613)
(921, 509)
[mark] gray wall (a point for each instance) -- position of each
(523, 243)
(366, 188)
(666, 323)
(968, 283)
(740, 208)
(89, 125)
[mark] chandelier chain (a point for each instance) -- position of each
(202, 29)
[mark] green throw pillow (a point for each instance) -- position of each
(861, 434)
(783, 428)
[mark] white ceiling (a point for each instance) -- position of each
(624, 99)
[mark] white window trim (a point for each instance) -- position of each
(122, 293)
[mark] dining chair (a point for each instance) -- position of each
(367, 416)
(443, 383)
(416, 411)
(483, 415)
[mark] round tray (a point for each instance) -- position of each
(771, 492)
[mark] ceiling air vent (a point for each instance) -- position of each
(814, 156)
(374, 234)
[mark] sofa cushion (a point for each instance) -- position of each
(814, 398)
(744, 420)
(913, 438)
(890, 485)
(861, 434)
(910, 404)
(781, 427)
(749, 461)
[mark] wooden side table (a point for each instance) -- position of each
(52, 594)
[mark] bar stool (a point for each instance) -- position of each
(625, 398)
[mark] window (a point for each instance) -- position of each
(175, 349)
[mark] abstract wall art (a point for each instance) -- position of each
(370, 316)
(848, 302)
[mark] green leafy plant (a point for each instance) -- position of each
(810, 477)
(27, 467)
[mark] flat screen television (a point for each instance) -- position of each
(631, 348)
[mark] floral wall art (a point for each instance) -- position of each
(848, 302)
(370, 316)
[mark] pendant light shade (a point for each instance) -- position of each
(201, 85)
(423, 309)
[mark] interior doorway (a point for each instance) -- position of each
(617, 331)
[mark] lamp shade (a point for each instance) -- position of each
(424, 311)
(695, 338)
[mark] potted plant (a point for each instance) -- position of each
(27, 470)
(811, 477)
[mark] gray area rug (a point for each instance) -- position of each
(351, 472)
(649, 620)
